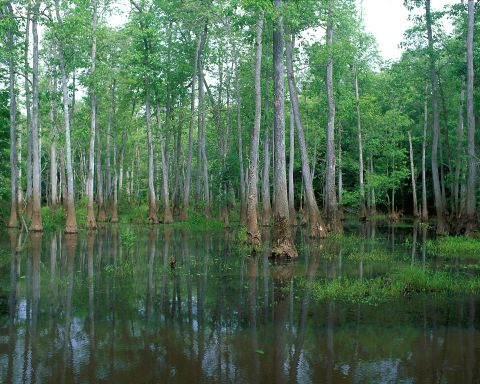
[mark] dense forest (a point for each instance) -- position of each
(253, 111)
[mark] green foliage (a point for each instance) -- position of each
(52, 221)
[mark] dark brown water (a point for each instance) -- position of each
(142, 305)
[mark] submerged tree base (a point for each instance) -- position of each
(283, 246)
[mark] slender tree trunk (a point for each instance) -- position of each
(152, 202)
(424, 171)
(331, 207)
(36, 224)
(439, 207)
(167, 212)
(266, 204)
(19, 168)
(206, 186)
(472, 163)
(13, 220)
(317, 227)
(29, 174)
(282, 242)
(243, 207)
(101, 213)
(114, 218)
(363, 209)
(458, 157)
(291, 161)
(373, 200)
(188, 174)
(108, 163)
(412, 173)
(91, 222)
(63, 179)
(253, 234)
(71, 220)
(340, 165)
(54, 134)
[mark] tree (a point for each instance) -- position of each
(472, 162)
(331, 207)
(253, 233)
(282, 242)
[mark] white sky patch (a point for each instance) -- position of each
(387, 20)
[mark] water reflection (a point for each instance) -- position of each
(139, 305)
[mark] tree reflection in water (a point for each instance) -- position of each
(171, 306)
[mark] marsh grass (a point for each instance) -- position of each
(455, 246)
(404, 281)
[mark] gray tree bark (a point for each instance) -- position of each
(152, 202)
(331, 207)
(13, 221)
(266, 203)
(424, 215)
(167, 212)
(412, 173)
(254, 237)
(439, 206)
(91, 222)
(188, 173)
(282, 242)
(36, 224)
(317, 227)
(361, 166)
(472, 163)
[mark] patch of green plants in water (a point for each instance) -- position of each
(122, 270)
(454, 246)
(405, 281)
(128, 238)
(52, 220)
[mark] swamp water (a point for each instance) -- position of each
(135, 304)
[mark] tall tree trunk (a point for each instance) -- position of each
(472, 165)
(71, 220)
(361, 167)
(253, 234)
(458, 156)
(26, 74)
(13, 220)
(101, 213)
(439, 207)
(266, 204)
(317, 227)
(114, 218)
(331, 208)
(54, 134)
(108, 162)
(291, 161)
(167, 212)
(282, 242)
(36, 224)
(91, 222)
(206, 186)
(243, 207)
(188, 173)
(373, 200)
(424, 171)
(412, 173)
(152, 202)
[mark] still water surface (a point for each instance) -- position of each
(135, 304)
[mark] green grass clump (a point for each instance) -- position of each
(52, 220)
(403, 282)
(454, 246)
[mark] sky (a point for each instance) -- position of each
(387, 20)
